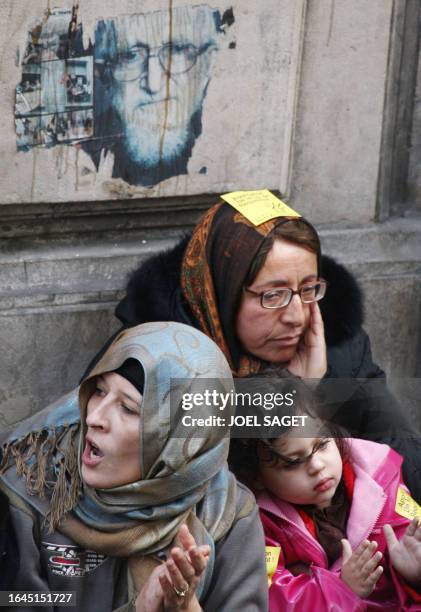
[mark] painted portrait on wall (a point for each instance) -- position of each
(149, 98)
(145, 85)
(151, 77)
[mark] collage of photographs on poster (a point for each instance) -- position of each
(54, 99)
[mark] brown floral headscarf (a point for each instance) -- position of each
(215, 265)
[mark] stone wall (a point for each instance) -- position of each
(299, 99)
(414, 179)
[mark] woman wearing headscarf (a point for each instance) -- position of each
(254, 289)
(110, 499)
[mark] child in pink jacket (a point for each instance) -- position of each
(335, 511)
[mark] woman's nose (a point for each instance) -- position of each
(294, 312)
(96, 416)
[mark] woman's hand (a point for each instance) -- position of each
(172, 586)
(405, 553)
(361, 569)
(310, 360)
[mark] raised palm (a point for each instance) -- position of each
(405, 553)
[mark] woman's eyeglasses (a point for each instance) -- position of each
(280, 298)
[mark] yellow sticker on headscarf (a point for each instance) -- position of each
(406, 506)
(258, 206)
(272, 558)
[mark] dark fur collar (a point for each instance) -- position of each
(343, 307)
(153, 295)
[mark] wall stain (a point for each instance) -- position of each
(33, 178)
(331, 20)
(77, 150)
(119, 189)
(228, 17)
(62, 161)
(167, 81)
(72, 32)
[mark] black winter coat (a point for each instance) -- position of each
(9, 554)
(367, 409)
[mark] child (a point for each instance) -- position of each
(330, 513)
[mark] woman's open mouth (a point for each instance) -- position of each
(92, 455)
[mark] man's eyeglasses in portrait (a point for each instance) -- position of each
(174, 58)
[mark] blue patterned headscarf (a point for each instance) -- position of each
(185, 478)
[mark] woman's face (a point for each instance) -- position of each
(112, 444)
(311, 482)
(273, 334)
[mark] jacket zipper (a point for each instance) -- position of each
(308, 536)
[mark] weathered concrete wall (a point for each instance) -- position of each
(295, 100)
(386, 258)
(44, 351)
(340, 109)
(414, 179)
(51, 327)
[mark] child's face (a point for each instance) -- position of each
(313, 481)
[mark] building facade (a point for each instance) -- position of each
(122, 125)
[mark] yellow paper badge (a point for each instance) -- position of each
(258, 206)
(272, 558)
(406, 506)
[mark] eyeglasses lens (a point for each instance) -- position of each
(130, 64)
(177, 58)
(314, 293)
(309, 294)
(276, 299)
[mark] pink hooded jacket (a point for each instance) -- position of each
(377, 478)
